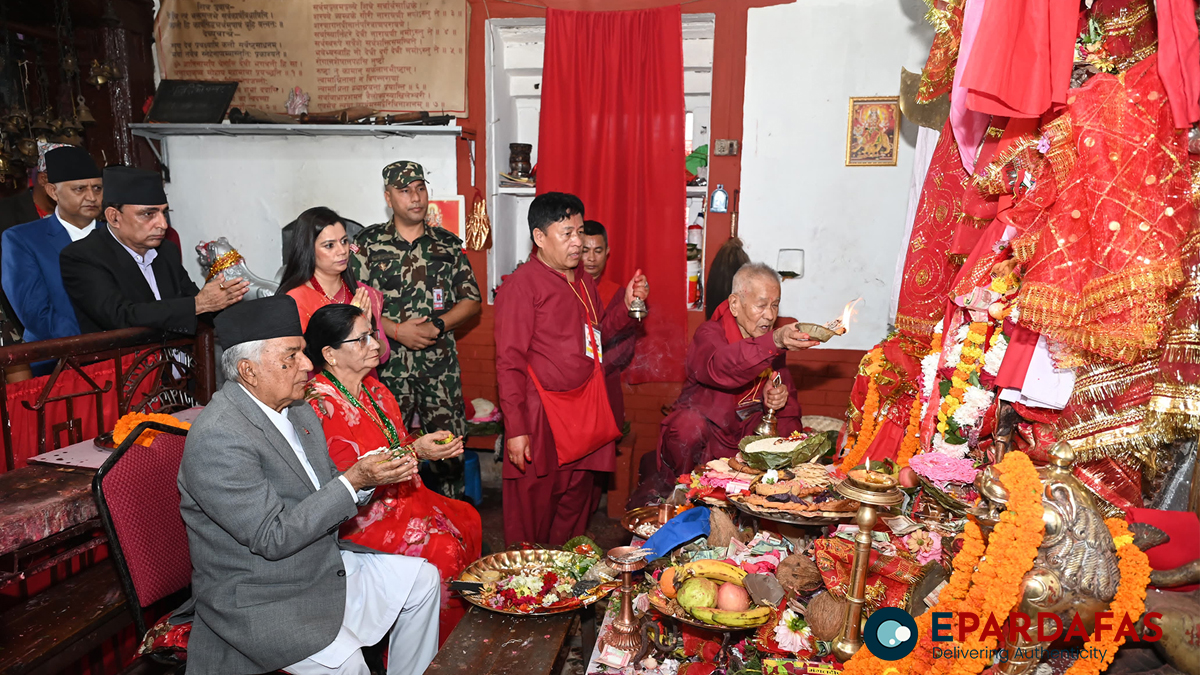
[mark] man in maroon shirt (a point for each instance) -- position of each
(550, 332)
(731, 366)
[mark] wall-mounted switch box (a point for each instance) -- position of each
(725, 147)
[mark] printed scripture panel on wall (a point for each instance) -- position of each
(389, 55)
(872, 131)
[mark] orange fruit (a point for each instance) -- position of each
(666, 582)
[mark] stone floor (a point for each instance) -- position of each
(605, 531)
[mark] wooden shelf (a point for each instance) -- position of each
(160, 131)
(530, 191)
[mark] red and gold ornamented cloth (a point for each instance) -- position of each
(889, 578)
(1174, 407)
(1104, 415)
(928, 270)
(1108, 258)
(938, 74)
(900, 368)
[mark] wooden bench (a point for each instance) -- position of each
(57, 627)
(489, 643)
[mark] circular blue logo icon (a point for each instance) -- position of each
(890, 633)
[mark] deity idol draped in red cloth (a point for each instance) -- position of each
(732, 366)
(1109, 254)
(551, 331)
(359, 415)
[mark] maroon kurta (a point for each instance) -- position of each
(717, 407)
(539, 325)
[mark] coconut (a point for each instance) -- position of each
(798, 573)
(721, 529)
(733, 598)
(825, 615)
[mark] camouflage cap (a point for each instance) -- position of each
(402, 173)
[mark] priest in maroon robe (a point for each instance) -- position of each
(732, 365)
(550, 331)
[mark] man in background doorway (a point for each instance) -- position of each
(428, 291)
(619, 348)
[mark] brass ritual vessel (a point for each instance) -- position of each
(872, 489)
(1076, 566)
(624, 633)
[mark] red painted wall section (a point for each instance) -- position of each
(824, 377)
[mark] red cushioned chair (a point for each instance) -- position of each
(138, 500)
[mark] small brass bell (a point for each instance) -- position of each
(40, 126)
(85, 115)
(5, 166)
(70, 64)
(28, 148)
(97, 75)
(637, 309)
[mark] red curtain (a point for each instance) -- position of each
(611, 132)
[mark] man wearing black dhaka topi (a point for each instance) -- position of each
(120, 276)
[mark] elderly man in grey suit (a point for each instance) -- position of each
(273, 586)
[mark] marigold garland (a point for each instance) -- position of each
(1012, 547)
(970, 361)
(866, 433)
(912, 435)
(989, 579)
(130, 421)
(1130, 600)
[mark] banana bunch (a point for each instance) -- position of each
(751, 618)
(716, 570)
(697, 586)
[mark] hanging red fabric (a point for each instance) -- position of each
(611, 132)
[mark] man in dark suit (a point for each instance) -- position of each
(30, 272)
(119, 277)
(23, 207)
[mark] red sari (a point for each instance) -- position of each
(402, 518)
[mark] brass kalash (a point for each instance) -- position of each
(1076, 567)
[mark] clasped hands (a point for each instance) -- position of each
(370, 471)
(220, 293)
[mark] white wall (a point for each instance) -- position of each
(247, 188)
(803, 63)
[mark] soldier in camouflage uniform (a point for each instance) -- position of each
(428, 291)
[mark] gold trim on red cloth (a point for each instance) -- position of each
(938, 74)
(928, 272)
(1107, 260)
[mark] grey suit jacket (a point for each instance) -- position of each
(268, 585)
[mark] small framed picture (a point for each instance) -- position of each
(448, 213)
(872, 132)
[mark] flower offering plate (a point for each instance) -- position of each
(498, 566)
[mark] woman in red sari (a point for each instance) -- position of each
(316, 271)
(359, 415)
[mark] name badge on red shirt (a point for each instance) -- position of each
(439, 299)
(587, 344)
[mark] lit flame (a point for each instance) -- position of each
(842, 324)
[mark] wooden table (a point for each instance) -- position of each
(41, 501)
(490, 643)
